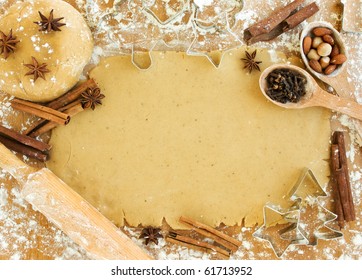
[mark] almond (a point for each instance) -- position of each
(315, 65)
(330, 69)
(335, 50)
(338, 59)
(328, 39)
(321, 31)
(307, 44)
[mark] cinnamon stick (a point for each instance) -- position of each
(300, 16)
(23, 139)
(40, 111)
(204, 246)
(335, 166)
(75, 108)
(61, 102)
(23, 149)
(71, 95)
(343, 179)
(197, 248)
(211, 233)
(268, 24)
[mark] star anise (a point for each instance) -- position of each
(7, 43)
(250, 62)
(50, 23)
(151, 234)
(91, 98)
(37, 69)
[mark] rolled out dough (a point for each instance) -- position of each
(184, 138)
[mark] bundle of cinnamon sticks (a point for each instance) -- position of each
(225, 244)
(68, 105)
(57, 112)
(280, 21)
(344, 205)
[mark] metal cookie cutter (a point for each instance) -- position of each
(304, 223)
(315, 220)
(149, 8)
(203, 36)
(278, 222)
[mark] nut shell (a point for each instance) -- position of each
(321, 31)
(315, 65)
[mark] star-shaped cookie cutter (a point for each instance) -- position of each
(277, 222)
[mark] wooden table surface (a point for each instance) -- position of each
(26, 233)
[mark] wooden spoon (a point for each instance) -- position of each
(339, 78)
(315, 96)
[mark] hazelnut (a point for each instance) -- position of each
(316, 42)
(324, 49)
(324, 61)
(313, 54)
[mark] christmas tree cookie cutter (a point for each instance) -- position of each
(304, 223)
(315, 220)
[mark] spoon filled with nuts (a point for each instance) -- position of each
(292, 87)
(324, 54)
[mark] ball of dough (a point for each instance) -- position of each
(65, 52)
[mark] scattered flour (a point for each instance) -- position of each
(17, 217)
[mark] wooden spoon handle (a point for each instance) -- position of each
(335, 103)
(84, 224)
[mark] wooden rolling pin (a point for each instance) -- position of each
(84, 224)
